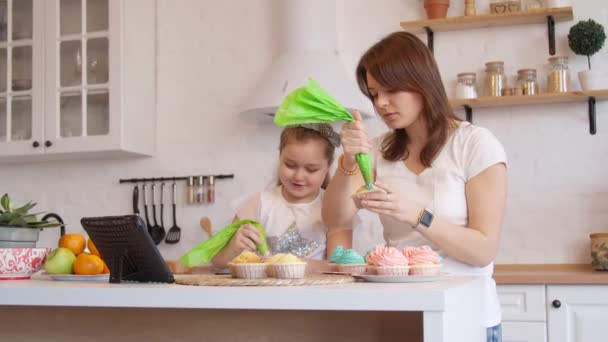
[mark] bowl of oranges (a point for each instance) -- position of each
(75, 256)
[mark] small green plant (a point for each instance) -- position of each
(20, 217)
(586, 38)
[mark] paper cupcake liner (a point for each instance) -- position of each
(292, 270)
(352, 268)
(393, 270)
(426, 270)
(270, 270)
(248, 271)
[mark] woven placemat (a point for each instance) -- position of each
(227, 280)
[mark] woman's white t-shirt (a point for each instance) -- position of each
(294, 228)
(441, 190)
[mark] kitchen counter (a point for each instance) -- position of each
(437, 307)
(570, 274)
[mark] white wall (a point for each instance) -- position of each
(213, 53)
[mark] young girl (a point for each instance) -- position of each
(291, 211)
(444, 180)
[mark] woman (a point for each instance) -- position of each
(445, 180)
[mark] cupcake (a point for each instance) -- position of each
(348, 261)
(247, 265)
(288, 266)
(363, 189)
(388, 261)
(270, 261)
(423, 260)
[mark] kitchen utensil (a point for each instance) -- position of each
(158, 232)
(136, 200)
(175, 232)
(162, 205)
(146, 210)
(205, 223)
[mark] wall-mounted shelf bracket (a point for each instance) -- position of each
(429, 37)
(551, 32)
(469, 113)
(592, 127)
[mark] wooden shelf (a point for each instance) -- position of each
(488, 20)
(590, 97)
(508, 101)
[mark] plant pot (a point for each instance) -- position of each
(599, 251)
(436, 9)
(593, 79)
(16, 237)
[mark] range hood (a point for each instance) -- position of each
(308, 49)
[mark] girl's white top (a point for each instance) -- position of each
(441, 190)
(294, 228)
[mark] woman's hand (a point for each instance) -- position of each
(354, 140)
(390, 204)
(245, 239)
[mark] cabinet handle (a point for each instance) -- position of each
(35, 144)
(48, 143)
(556, 304)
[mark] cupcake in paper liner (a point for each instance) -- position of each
(348, 261)
(388, 261)
(247, 265)
(423, 260)
(362, 190)
(289, 266)
(270, 261)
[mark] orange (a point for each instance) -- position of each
(92, 249)
(88, 264)
(73, 242)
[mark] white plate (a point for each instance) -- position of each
(78, 277)
(399, 279)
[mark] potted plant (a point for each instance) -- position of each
(436, 9)
(19, 227)
(586, 38)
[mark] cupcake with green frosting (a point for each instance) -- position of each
(348, 261)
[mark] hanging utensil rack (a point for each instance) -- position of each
(161, 179)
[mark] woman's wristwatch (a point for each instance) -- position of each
(424, 220)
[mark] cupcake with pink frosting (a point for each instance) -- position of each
(388, 261)
(423, 260)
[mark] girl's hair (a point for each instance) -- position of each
(324, 132)
(401, 62)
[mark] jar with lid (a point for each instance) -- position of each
(466, 86)
(495, 78)
(558, 79)
(526, 82)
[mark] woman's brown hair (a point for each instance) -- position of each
(401, 62)
(301, 134)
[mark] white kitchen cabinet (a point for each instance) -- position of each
(77, 78)
(523, 313)
(577, 313)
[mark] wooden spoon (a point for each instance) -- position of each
(205, 223)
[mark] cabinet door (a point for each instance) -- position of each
(21, 77)
(82, 112)
(524, 332)
(577, 313)
(523, 303)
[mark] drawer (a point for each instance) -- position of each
(522, 302)
(524, 332)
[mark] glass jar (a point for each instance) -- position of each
(526, 81)
(495, 78)
(558, 79)
(534, 5)
(466, 86)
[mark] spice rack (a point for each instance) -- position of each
(548, 15)
(590, 97)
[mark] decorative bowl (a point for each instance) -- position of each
(21, 263)
(599, 251)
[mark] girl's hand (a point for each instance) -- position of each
(245, 239)
(354, 140)
(391, 204)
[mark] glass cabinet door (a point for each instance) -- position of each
(16, 70)
(82, 90)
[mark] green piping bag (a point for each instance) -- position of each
(313, 104)
(203, 253)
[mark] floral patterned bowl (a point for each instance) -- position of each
(21, 263)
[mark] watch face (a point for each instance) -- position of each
(426, 219)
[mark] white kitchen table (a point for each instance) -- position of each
(446, 310)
